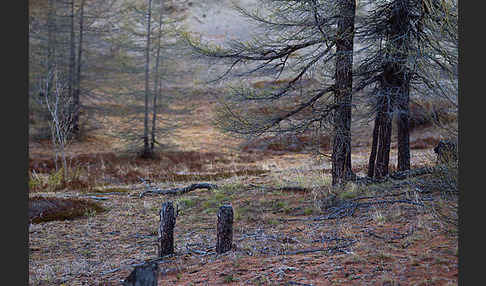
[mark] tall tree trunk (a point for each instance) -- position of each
(51, 23)
(384, 137)
(157, 87)
(341, 154)
(72, 61)
(394, 93)
(401, 22)
(146, 147)
(374, 146)
(77, 90)
(404, 132)
(404, 102)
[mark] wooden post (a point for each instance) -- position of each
(143, 275)
(224, 229)
(166, 229)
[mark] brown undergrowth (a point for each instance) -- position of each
(86, 171)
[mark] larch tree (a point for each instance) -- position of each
(67, 37)
(341, 154)
(307, 47)
(147, 46)
(400, 47)
(157, 80)
(147, 152)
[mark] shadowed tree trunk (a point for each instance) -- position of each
(393, 96)
(383, 138)
(374, 146)
(404, 132)
(224, 229)
(341, 154)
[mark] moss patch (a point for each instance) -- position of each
(43, 209)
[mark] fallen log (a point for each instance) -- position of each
(175, 191)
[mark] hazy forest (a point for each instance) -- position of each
(243, 142)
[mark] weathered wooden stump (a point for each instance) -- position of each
(143, 275)
(224, 229)
(166, 229)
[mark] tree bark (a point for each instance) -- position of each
(384, 141)
(166, 229)
(404, 134)
(374, 146)
(341, 154)
(224, 229)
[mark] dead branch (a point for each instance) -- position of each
(175, 191)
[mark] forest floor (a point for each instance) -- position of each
(287, 229)
(285, 232)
